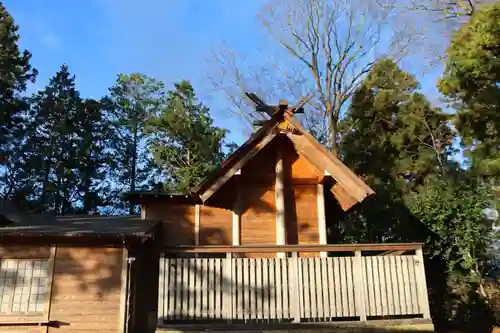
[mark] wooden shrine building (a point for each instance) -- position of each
(248, 246)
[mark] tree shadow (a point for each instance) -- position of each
(86, 281)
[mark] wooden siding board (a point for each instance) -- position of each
(24, 252)
(215, 226)
(177, 219)
(82, 306)
(258, 221)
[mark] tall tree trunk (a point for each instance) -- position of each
(134, 167)
(46, 175)
(332, 135)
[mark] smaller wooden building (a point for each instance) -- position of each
(71, 274)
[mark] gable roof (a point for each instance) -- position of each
(14, 222)
(349, 189)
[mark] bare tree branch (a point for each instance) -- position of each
(324, 46)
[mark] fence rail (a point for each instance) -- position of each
(294, 289)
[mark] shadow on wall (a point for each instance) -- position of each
(90, 273)
(93, 273)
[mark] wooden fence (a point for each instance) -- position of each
(354, 286)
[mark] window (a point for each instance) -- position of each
(22, 286)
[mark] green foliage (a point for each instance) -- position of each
(394, 138)
(391, 123)
(472, 83)
(59, 166)
(16, 72)
(132, 101)
(453, 212)
(186, 144)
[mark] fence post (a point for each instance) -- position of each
(161, 291)
(227, 291)
(423, 299)
(359, 286)
(296, 276)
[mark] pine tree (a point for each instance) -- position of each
(395, 139)
(133, 99)
(15, 73)
(393, 124)
(471, 81)
(186, 144)
(93, 159)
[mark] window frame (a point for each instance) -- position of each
(33, 317)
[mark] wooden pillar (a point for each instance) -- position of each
(197, 209)
(321, 217)
(143, 212)
(237, 212)
(280, 202)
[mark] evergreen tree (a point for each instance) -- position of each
(50, 151)
(391, 123)
(15, 73)
(93, 158)
(472, 83)
(186, 144)
(133, 99)
(395, 139)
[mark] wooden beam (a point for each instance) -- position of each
(337, 166)
(293, 248)
(236, 234)
(321, 217)
(197, 216)
(280, 201)
(260, 105)
(352, 190)
(259, 122)
(237, 166)
(143, 211)
(124, 291)
(392, 253)
(50, 283)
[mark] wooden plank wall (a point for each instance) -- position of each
(86, 290)
(177, 219)
(263, 289)
(215, 226)
(303, 210)
(258, 218)
(86, 287)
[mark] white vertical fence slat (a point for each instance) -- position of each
(161, 290)
(273, 288)
(350, 286)
(285, 287)
(413, 284)
(324, 289)
(290, 289)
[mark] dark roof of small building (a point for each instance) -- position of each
(14, 222)
(186, 198)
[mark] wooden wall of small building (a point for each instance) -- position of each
(255, 188)
(86, 288)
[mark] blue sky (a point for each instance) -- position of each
(169, 40)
